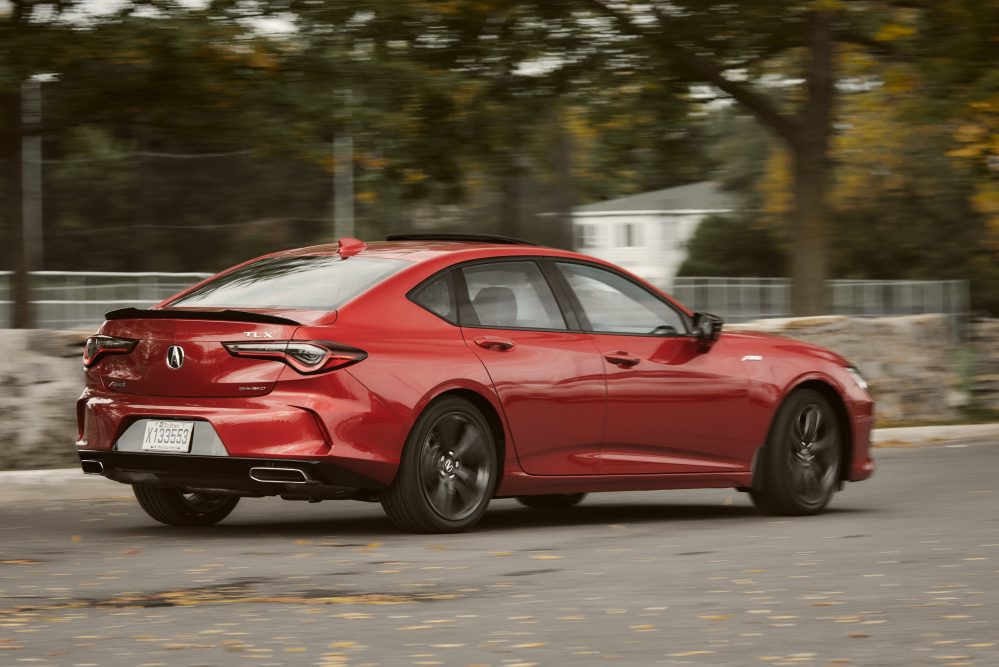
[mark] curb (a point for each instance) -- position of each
(58, 484)
(920, 436)
(71, 484)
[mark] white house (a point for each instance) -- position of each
(648, 233)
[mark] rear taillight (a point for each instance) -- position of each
(306, 357)
(99, 346)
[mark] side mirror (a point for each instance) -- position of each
(707, 328)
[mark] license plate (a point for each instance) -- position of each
(168, 436)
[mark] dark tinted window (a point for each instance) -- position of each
(312, 282)
(437, 296)
(512, 295)
(614, 304)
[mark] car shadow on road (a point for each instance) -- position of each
(496, 521)
(625, 515)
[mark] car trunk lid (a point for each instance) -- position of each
(181, 353)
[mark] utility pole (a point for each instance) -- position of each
(31, 172)
(20, 314)
(343, 172)
(11, 163)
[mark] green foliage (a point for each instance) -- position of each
(492, 116)
(730, 245)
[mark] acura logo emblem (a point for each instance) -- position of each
(175, 356)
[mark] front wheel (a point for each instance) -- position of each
(175, 507)
(801, 460)
(448, 470)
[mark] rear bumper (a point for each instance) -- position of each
(223, 473)
(338, 423)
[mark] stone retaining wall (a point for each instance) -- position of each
(910, 363)
(41, 376)
(984, 362)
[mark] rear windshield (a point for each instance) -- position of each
(311, 282)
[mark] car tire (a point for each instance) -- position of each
(802, 457)
(448, 470)
(174, 507)
(558, 501)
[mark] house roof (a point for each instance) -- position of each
(703, 196)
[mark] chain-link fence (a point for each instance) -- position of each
(78, 300)
(742, 299)
(745, 299)
(71, 300)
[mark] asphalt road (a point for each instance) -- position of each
(902, 570)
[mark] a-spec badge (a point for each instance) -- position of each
(175, 356)
(258, 334)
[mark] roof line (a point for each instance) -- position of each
(662, 211)
(465, 238)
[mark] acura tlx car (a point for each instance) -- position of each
(433, 373)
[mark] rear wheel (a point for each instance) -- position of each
(557, 501)
(448, 470)
(174, 507)
(802, 457)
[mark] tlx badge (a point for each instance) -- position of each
(258, 334)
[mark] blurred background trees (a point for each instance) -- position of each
(859, 136)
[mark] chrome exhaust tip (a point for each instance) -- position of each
(279, 475)
(92, 467)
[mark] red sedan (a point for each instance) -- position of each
(433, 373)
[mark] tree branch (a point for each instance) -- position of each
(758, 58)
(703, 69)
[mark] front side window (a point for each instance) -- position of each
(512, 295)
(614, 304)
(306, 282)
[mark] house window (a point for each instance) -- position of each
(628, 235)
(586, 236)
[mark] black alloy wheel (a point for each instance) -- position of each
(448, 471)
(802, 458)
(176, 507)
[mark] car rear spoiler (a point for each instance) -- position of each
(227, 315)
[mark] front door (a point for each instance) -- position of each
(550, 380)
(671, 408)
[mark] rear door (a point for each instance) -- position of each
(671, 408)
(550, 380)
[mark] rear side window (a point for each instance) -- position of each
(310, 282)
(437, 296)
(512, 295)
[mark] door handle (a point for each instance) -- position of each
(622, 359)
(493, 343)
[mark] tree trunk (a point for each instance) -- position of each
(20, 314)
(809, 233)
(811, 171)
(512, 196)
(142, 243)
(563, 191)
